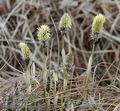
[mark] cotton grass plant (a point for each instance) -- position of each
(97, 27)
(60, 69)
(65, 21)
(25, 51)
(43, 35)
(64, 24)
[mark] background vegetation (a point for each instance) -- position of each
(19, 20)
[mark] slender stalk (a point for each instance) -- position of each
(64, 68)
(65, 79)
(62, 101)
(85, 92)
(62, 42)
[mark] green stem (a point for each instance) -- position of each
(65, 78)
(85, 92)
(62, 44)
(62, 101)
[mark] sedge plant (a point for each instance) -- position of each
(97, 26)
(43, 35)
(25, 52)
(64, 24)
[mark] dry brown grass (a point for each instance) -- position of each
(20, 23)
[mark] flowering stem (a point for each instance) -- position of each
(64, 68)
(62, 102)
(65, 78)
(86, 83)
(62, 44)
